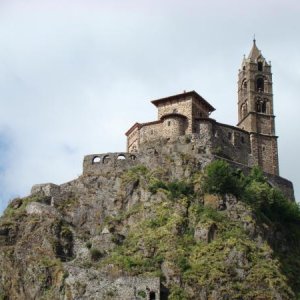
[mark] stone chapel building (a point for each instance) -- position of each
(251, 142)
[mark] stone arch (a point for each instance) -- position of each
(262, 105)
(244, 84)
(152, 295)
(121, 157)
(260, 83)
(96, 160)
(244, 110)
(106, 159)
(260, 66)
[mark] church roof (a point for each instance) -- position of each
(255, 53)
(193, 94)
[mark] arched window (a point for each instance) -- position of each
(244, 85)
(106, 159)
(96, 160)
(244, 110)
(121, 156)
(258, 105)
(260, 85)
(261, 106)
(264, 107)
(259, 66)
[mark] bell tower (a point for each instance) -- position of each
(255, 109)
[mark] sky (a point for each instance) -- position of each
(76, 74)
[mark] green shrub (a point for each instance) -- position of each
(142, 294)
(220, 178)
(177, 293)
(156, 185)
(96, 254)
(176, 189)
(134, 174)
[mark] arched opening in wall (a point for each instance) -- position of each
(259, 66)
(264, 107)
(96, 160)
(242, 140)
(244, 68)
(152, 296)
(261, 106)
(121, 157)
(229, 135)
(260, 85)
(244, 85)
(106, 160)
(244, 110)
(258, 104)
(132, 157)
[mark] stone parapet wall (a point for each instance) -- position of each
(103, 286)
(97, 164)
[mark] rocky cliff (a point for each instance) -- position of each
(172, 228)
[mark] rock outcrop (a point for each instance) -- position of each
(144, 231)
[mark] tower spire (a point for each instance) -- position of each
(255, 109)
(255, 52)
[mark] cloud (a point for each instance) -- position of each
(74, 76)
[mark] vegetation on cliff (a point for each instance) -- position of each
(218, 233)
(225, 257)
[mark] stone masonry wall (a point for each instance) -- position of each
(97, 164)
(199, 111)
(232, 143)
(133, 140)
(265, 124)
(173, 126)
(181, 106)
(103, 286)
(150, 132)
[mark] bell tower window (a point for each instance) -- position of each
(261, 106)
(260, 85)
(264, 107)
(259, 66)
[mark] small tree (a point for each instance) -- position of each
(219, 178)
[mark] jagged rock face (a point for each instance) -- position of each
(126, 235)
